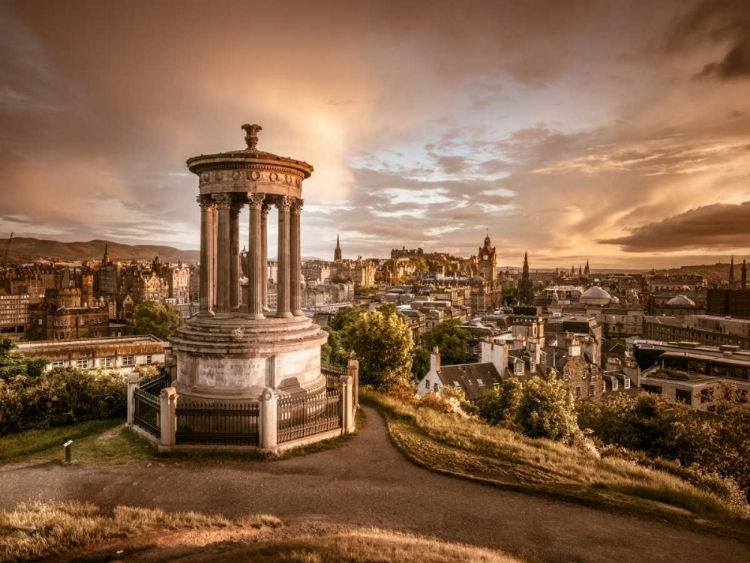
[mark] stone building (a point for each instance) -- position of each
(124, 354)
(14, 313)
(65, 316)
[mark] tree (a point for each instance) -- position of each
(159, 319)
(451, 340)
(383, 346)
(500, 405)
(420, 362)
(547, 410)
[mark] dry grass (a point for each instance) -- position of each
(472, 449)
(31, 531)
(367, 546)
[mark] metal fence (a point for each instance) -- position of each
(218, 424)
(332, 374)
(155, 384)
(299, 417)
(147, 411)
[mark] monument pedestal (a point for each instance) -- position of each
(234, 357)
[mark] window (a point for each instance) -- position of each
(627, 383)
(684, 396)
(480, 382)
(456, 384)
(148, 359)
(592, 390)
(437, 388)
(426, 383)
(82, 364)
(577, 393)
(105, 362)
(127, 361)
(57, 364)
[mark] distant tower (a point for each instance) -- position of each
(105, 260)
(525, 290)
(487, 264)
(744, 275)
(731, 271)
(337, 252)
(586, 270)
(580, 271)
(572, 270)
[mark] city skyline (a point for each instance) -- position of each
(582, 134)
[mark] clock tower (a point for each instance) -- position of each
(487, 262)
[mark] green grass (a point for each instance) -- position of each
(23, 445)
(32, 531)
(472, 449)
(123, 446)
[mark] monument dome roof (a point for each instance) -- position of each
(248, 156)
(681, 301)
(595, 292)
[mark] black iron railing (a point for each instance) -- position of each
(218, 424)
(147, 411)
(155, 384)
(332, 374)
(298, 417)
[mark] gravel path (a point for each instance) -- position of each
(367, 482)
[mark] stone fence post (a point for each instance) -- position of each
(347, 404)
(352, 370)
(168, 417)
(268, 420)
(133, 384)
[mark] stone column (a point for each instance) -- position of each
(205, 272)
(282, 299)
(347, 404)
(268, 431)
(223, 204)
(352, 370)
(212, 257)
(264, 252)
(234, 252)
(255, 267)
(168, 418)
(133, 384)
(295, 256)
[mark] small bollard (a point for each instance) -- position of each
(67, 445)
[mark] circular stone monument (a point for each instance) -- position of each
(229, 351)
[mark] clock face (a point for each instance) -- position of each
(485, 257)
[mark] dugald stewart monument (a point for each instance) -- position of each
(247, 375)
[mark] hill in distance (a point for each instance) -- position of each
(31, 249)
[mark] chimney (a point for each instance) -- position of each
(574, 348)
(496, 354)
(435, 360)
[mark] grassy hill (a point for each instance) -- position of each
(29, 249)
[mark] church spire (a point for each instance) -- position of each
(731, 270)
(106, 253)
(337, 252)
(744, 275)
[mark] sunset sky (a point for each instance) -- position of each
(617, 132)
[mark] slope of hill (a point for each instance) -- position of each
(29, 249)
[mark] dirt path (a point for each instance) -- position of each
(368, 482)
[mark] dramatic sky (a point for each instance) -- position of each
(617, 132)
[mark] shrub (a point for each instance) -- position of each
(500, 405)
(547, 410)
(61, 396)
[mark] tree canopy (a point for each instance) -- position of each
(159, 319)
(450, 338)
(382, 344)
